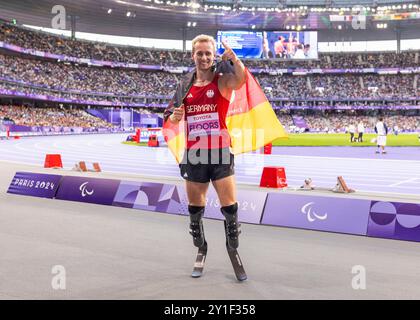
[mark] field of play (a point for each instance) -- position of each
(336, 139)
(342, 139)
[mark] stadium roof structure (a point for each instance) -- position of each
(170, 19)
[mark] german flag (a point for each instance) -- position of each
(175, 137)
(250, 120)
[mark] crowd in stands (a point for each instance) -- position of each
(67, 77)
(86, 49)
(28, 75)
(51, 117)
(101, 51)
(107, 83)
(285, 119)
(340, 86)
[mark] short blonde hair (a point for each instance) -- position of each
(203, 38)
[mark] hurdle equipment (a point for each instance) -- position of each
(273, 177)
(341, 186)
(153, 141)
(53, 161)
(137, 136)
(267, 148)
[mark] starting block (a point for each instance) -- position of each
(307, 185)
(273, 177)
(341, 186)
(53, 161)
(81, 166)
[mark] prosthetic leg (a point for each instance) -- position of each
(197, 232)
(196, 225)
(232, 239)
(231, 225)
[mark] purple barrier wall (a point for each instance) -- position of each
(250, 206)
(60, 130)
(96, 113)
(151, 196)
(173, 199)
(394, 220)
(300, 122)
(90, 190)
(35, 184)
(317, 213)
(149, 120)
(20, 128)
(136, 119)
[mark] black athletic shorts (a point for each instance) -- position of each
(203, 165)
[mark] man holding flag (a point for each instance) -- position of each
(218, 110)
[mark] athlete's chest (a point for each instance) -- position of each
(202, 99)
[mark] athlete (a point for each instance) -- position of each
(203, 100)
(382, 130)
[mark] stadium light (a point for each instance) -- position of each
(195, 5)
(279, 7)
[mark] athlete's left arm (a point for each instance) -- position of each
(235, 80)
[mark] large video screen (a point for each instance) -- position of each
(270, 44)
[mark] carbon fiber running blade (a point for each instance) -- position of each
(199, 261)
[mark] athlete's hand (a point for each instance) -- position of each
(178, 114)
(229, 54)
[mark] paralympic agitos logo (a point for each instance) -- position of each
(83, 189)
(311, 215)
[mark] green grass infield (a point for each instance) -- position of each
(342, 139)
(333, 139)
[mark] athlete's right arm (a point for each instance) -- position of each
(177, 115)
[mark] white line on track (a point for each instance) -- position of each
(403, 182)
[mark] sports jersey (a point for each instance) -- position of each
(205, 116)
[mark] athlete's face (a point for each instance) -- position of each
(203, 55)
